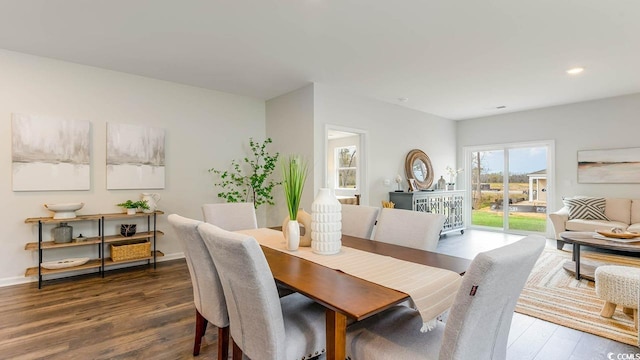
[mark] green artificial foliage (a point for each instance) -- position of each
(254, 186)
(294, 175)
(142, 204)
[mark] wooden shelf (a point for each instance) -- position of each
(51, 220)
(109, 262)
(101, 240)
(92, 241)
(139, 235)
(92, 264)
(51, 245)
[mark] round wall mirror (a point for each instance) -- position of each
(417, 166)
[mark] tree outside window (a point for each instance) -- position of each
(347, 167)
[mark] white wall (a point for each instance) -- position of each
(392, 132)
(600, 124)
(203, 129)
(289, 122)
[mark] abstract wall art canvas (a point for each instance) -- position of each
(135, 157)
(50, 153)
(612, 166)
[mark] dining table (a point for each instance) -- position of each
(346, 298)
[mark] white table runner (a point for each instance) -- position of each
(431, 289)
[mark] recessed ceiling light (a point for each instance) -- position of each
(403, 99)
(501, 107)
(575, 70)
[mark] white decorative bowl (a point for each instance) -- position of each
(64, 211)
(64, 263)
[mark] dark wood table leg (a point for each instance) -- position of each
(336, 335)
(576, 258)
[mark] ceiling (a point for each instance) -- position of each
(457, 59)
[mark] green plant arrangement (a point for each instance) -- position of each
(294, 175)
(142, 204)
(256, 186)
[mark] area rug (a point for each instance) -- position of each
(553, 294)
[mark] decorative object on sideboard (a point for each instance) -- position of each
(326, 223)
(128, 229)
(294, 175)
(418, 166)
(64, 211)
(388, 204)
(62, 233)
(413, 185)
(137, 249)
(453, 173)
(133, 206)
(442, 183)
(64, 263)
(152, 202)
(398, 183)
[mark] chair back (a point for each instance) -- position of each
(255, 312)
(231, 216)
(414, 229)
(208, 295)
(480, 317)
(358, 220)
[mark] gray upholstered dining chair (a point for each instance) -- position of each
(358, 220)
(414, 229)
(208, 295)
(262, 326)
(479, 321)
(231, 216)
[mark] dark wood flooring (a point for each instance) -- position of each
(137, 313)
(141, 313)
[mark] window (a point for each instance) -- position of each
(347, 167)
(509, 184)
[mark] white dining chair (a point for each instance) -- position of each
(359, 220)
(414, 229)
(208, 295)
(231, 216)
(479, 321)
(263, 326)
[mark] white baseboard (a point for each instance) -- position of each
(173, 256)
(17, 280)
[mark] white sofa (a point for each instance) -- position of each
(622, 213)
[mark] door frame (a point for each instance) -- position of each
(362, 160)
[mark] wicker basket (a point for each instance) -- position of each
(130, 250)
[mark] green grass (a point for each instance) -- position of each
(516, 222)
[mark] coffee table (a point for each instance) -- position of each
(586, 269)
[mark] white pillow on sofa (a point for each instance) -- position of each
(586, 208)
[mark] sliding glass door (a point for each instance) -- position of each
(509, 186)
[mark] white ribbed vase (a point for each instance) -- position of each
(326, 223)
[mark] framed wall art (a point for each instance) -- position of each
(135, 157)
(609, 166)
(50, 153)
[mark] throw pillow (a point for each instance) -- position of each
(586, 208)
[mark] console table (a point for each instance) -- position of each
(448, 203)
